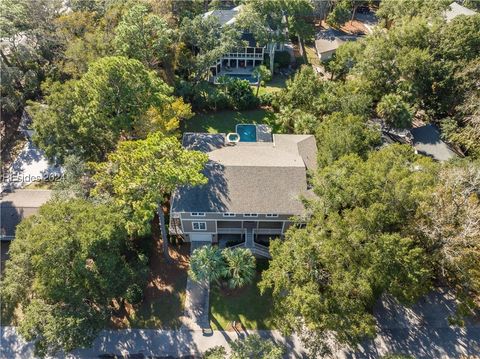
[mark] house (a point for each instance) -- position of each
(17, 205)
(240, 61)
(253, 191)
(455, 9)
(328, 41)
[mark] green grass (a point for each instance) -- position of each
(225, 121)
(244, 305)
(276, 84)
(312, 56)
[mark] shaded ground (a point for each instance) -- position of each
(244, 305)
(164, 295)
(225, 121)
(12, 139)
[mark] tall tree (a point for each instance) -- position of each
(262, 74)
(338, 135)
(353, 249)
(207, 39)
(266, 20)
(67, 264)
(87, 117)
(300, 21)
(340, 13)
(394, 111)
(144, 36)
(449, 220)
(253, 346)
(140, 175)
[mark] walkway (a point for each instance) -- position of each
(31, 165)
(196, 315)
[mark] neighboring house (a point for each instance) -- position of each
(253, 191)
(328, 41)
(17, 205)
(243, 60)
(455, 9)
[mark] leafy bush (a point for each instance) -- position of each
(241, 95)
(134, 294)
(234, 94)
(266, 99)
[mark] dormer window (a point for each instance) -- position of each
(197, 214)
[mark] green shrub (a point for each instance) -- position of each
(134, 294)
(282, 58)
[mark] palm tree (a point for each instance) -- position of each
(262, 74)
(207, 264)
(240, 265)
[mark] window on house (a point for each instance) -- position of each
(199, 226)
(197, 214)
(272, 215)
(251, 215)
(228, 214)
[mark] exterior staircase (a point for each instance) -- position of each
(255, 248)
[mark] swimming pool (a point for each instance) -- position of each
(248, 133)
(250, 78)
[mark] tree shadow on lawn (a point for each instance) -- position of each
(245, 305)
(164, 295)
(225, 121)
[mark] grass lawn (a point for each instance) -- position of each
(244, 305)
(164, 295)
(225, 121)
(276, 84)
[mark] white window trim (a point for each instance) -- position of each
(199, 223)
(250, 215)
(271, 215)
(229, 214)
(197, 214)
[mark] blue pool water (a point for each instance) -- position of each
(252, 79)
(248, 133)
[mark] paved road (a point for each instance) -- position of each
(421, 331)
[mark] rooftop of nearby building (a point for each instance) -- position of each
(427, 141)
(19, 204)
(258, 177)
(225, 17)
(330, 39)
(455, 9)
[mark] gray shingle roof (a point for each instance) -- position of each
(18, 205)
(225, 16)
(331, 39)
(427, 141)
(261, 177)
